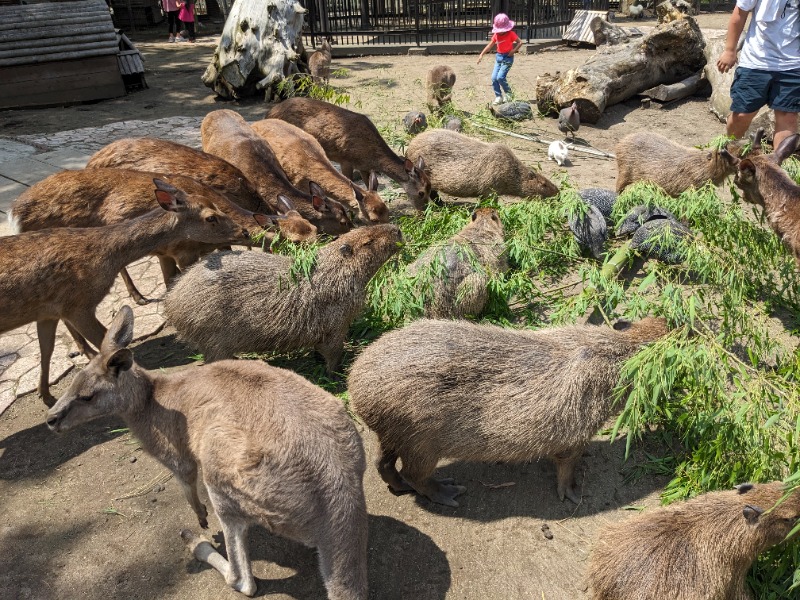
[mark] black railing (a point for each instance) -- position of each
(416, 22)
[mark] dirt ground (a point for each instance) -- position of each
(88, 515)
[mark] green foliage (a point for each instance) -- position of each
(301, 84)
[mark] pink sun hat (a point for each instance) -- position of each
(502, 23)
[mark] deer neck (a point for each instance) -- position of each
(136, 238)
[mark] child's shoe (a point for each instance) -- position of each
(498, 100)
(171, 38)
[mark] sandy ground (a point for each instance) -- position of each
(89, 515)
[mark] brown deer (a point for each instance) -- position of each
(64, 273)
(353, 141)
(96, 197)
(319, 63)
(275, 450)
(304, 160)
(227, 135)
(163, 156)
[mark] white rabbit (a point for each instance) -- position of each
(558, 152)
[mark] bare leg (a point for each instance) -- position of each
(46, 332)
(79, 339)
(417, 471)
(188, 482)
(565, 474)
(785, 125)
(239, 576)
(132, 290)
(738, 123)
(388, 471)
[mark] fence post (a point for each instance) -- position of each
(416, 18)
(312, 15)
(529, 19)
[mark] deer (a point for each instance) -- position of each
(62, 274)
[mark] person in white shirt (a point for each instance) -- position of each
(769, 65)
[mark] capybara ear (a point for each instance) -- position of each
(743, 488)
(752, 513)
(622, 325)
(346, 250)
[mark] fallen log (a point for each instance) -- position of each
(676, 91)
(668, 54)
(258, 48)
(607, 33)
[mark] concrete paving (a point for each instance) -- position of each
(26, 160)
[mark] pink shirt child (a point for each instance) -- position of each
(187, 11)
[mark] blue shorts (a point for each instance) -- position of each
(753, 88)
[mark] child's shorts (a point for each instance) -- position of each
(753, 88)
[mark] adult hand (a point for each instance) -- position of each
(726, 61)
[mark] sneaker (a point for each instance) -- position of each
(171, 38)
(180, 38)
(498, 100)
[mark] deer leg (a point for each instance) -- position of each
(188, 481)
(132, 290)
(46, 332)
(169, 268)
(89, 327)
(347, 170)
(81, 341)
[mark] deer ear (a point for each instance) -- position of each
(284, 205)
(120, 333)
(315, 189)
(263, 220)
(787, 147)
(167, 196)
(372, 186)
(421, 164)
(120, 360)
(758, 135)
(357, 193)
(732, 160)
(409, 166)
(318, 202)
(752, 513)
(747, 170)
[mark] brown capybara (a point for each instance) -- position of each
(455, 389)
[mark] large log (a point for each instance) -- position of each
(668, 54)
(676, 91)
(258, 48)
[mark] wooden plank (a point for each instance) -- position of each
(100, 28)
(579, 30)
(33, 21)
(90, 43)
(44, 85)
(30, 60)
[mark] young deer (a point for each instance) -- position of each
(353, 141)
(764, 182)
(96, 197)
(275, 450)
(162, 156)
(304, 160)
(227, 135)
(63, 274)
(319, 63)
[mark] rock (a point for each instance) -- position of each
(514, 111)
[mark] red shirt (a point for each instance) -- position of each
(505, 41)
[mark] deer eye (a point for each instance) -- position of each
(211, 219)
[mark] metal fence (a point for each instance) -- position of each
(416, 22)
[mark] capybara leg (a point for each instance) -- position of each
(387, 468)
(417, 471)
(565, 473)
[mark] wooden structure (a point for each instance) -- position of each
(58, 53)
(131, 63)
(579, 30)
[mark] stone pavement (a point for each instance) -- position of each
(25, 160)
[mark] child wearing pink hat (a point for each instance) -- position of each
(507, 44)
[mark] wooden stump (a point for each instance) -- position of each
(670, 53)
(259, 47)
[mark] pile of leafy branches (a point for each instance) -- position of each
(725, 382)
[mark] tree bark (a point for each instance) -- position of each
(668, 54)
(258, 48)
(607, 33)
(676, 91)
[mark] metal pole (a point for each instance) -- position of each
(417, 33)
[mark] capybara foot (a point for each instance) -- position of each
(569, 493)
(442, 493)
